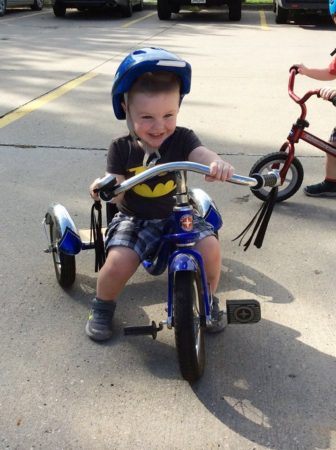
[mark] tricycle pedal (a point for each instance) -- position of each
(147, 329)
(243, 311)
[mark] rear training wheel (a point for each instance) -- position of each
(65, 265)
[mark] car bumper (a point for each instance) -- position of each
(202, 3)
(89, 3)
(304, 5)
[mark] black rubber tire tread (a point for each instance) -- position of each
(235, 8)
(275, 157)
(164, 10)
(59, 10)
(187, 297)
(37, 6)
(127, 10)
(138, 6)
(3, 8)
(281, 14)
(65, 269)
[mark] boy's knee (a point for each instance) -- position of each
(210, 244)
(121, 261)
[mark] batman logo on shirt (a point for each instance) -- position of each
(152, 190)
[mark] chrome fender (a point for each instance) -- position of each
(206, 207)
(68, 239)
(183, 262)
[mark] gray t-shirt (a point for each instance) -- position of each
(154, 198)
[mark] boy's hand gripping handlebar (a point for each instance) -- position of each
(301, 100)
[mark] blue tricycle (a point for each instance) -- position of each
(189, 300)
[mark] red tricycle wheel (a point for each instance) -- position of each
(292, 182)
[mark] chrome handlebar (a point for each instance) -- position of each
(256, 182)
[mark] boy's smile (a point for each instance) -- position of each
(154, 116)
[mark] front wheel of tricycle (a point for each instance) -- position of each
(292, 182)
(65, 265)
(189, 329)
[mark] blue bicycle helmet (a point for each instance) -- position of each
(147, 60)
(332, 7)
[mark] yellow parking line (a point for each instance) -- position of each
(263, 22)
(40, 101)
(128, 24)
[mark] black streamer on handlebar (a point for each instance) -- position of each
(96, 235)
(261, 220)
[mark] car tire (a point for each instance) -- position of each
(281, 14)
(139, 6)
(235, 8)
(164, 10)
(37, 5)
(59, 10)
(127, 10)
(2, 7)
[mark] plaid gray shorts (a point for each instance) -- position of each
(333, 136)
(145, 236)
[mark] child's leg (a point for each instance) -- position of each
(210, 250)
(120, 265)
(331, 166)
(326, 188)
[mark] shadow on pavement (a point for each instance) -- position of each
(270, 388)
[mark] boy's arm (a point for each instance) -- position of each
(324, 74)
(95, 196)
(219, 169)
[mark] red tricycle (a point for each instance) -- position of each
(291, 170)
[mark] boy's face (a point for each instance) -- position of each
(154, 116)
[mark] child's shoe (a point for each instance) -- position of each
(218, 318)
(99, 324)
(324, 189)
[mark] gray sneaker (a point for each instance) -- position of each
(99, 324)
(218, 318)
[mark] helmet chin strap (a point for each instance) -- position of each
(151, 154)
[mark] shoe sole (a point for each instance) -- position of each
(95, 337)
(324, 194)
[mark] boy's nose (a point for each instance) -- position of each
(158, 125)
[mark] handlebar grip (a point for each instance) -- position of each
(333, 101)
(106, 187)
(271, 179)
(106, 195)
(294, 67)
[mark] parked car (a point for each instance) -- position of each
(165, 8)
(126, 6)
(285, 9)
(35, 5)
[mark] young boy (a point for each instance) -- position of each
(147, 91)
(327, 188)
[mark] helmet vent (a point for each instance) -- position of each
(167, 63)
